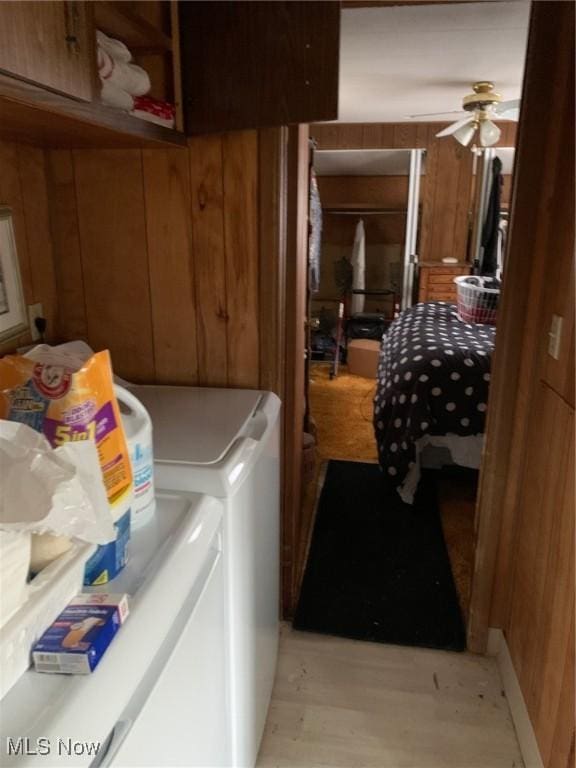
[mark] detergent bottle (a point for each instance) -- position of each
(138, 429)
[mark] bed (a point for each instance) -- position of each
(432, 390)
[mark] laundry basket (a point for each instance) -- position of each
(477, 299)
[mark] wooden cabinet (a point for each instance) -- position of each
(49, 43)
(49, 88)
(244, 65)
(258, 64)
(436, 281)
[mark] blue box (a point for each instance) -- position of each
(76, 641)
(109, 559)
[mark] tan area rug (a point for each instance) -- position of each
(342, 411)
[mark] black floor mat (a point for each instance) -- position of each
(378, 569)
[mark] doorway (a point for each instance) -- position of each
(447, 224)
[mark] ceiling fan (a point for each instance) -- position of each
(483, 107)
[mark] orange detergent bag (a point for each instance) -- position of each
(68, 404)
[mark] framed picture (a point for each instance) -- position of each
(13, 318)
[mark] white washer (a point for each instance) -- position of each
(226, 443)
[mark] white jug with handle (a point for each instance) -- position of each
(138, 430)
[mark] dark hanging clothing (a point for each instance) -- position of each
(491, 226)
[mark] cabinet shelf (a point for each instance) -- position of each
(33, 114)
(117, 20)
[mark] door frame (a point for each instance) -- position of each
(295, 346)
(516, 346)
(519, 338)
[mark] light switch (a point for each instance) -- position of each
(555, 336)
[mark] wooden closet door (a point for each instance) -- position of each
(49, 43)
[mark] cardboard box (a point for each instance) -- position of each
(77, 640)
(363, 357)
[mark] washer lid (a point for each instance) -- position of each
(196, 425)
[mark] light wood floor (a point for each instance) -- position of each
(349, 704)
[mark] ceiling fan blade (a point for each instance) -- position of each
(437, 114)
(455, 126)
(509, 110)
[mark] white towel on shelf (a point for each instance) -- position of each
(114, 68)
(105, 63)
(115, 48)
(129, 77)
(116, 97)
(358, 268)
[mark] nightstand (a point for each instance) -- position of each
(436, 280)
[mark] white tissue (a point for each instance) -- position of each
(14, 565)
(58, 491)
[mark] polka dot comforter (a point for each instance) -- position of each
(433, 378)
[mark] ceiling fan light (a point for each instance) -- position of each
(489, 133)
(465, 134)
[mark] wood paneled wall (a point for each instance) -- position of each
(355, 191)
(524, 570)
(381, 191)
(448, 183)
(157, 257)
(23, 189)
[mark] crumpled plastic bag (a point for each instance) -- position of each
(58, 491)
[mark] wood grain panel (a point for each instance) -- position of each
(376, 136)
(252, 65)
(72, 322)
(327, 135)
(112, 223)
(159, 258)
(562, 752)
(295, 396)
(32, 170)
(23, 189)
(427, 218)
(463, 206)
(273, 147)
(390, 135)
(206, 177)
(172, 279)
(33, 45)
(405, 135)
(523, 320)
(539, 626)
(389, 229)
(540, 496)
(524, 571)
(556, 618)
(380, 191)
(241, 242)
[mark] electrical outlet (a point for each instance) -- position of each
(34, 311)
(555, 336)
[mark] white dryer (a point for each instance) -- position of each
(226, 443)
(159, 695)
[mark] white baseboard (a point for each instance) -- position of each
(498, 647)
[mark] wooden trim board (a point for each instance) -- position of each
(498, 647)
